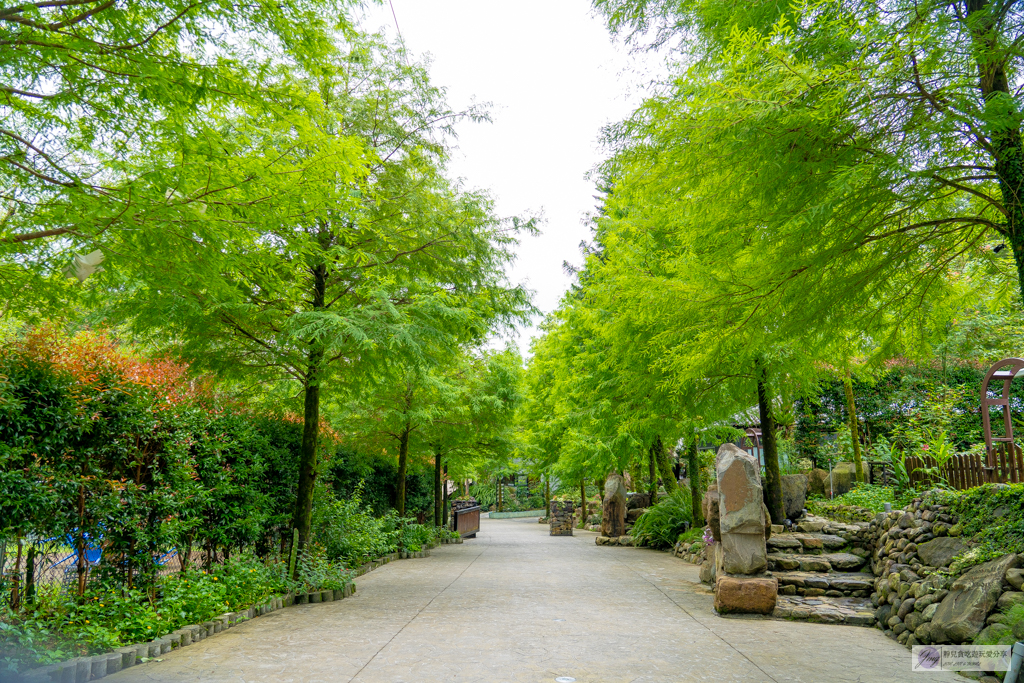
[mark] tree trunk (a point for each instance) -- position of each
(302, 516)
(583, 502)
(652, 470)
(991, 56)
(773, 477)
(851, 408)
(403, 461)
(16, 589)
(444, 497)
(437, 487)
(696, 486)
(547, 495)
(497, 488)
(668, 475)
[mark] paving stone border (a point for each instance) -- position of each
(83, 669)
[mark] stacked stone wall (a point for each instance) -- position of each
(561, 518)
(921, 594)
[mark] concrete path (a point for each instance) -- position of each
(515, 604)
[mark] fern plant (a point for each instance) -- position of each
(661, 525)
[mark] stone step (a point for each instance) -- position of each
(808, 541)
(814, 524)
(826, 610)
(825, 562)
(859, 584)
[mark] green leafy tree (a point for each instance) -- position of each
(94, 93)
(340, 248)
(863, 156)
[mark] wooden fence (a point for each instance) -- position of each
(1004, 466)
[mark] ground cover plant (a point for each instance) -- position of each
(991, 519)
(868, 496)
(58, 625)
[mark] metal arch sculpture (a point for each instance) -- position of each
(1004, 370)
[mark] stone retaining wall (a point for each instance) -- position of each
(921, 595)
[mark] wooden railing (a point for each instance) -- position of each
(1005, 465)
(466, 521)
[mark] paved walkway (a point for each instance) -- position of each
(515, 604)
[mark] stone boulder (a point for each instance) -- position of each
(844, 476)
(707, 570)
(794, 495)
(638, 500)
(961, 615)
(741, 511)
(633, 514)
(817, 482)
(613, 509)
(709, 506)
(1009, 599)
(939, 552)
(734, 595)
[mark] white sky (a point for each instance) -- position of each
(555, 77)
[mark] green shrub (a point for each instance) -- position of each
(661, 525)
(991, 517)
(349, 532)
(415, 537)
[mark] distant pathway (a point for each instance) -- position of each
(515, 604)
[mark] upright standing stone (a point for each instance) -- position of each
(741, 557)
(613, 509)
(742, 520)
(794, 495)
